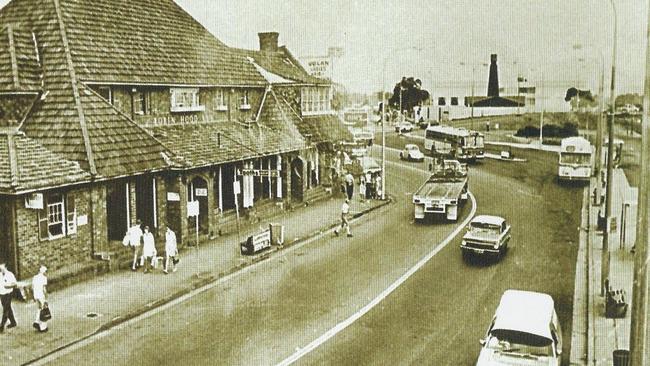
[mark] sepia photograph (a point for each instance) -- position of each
(342, 182)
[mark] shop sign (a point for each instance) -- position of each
(173, 197)
(193, 208)
(82, 220)
(34, 200)
(319, 66)
(201, 192)
(259, 172)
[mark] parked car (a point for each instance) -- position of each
(411, 152)
(404, 127)
(423, 124)
(524, 331)
(486, 235)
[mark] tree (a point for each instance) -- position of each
(411, 92)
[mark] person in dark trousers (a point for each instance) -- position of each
(349, 185)
(7, 285)
(345, 223)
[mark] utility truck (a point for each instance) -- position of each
(444, 191)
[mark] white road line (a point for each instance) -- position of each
(354, 317)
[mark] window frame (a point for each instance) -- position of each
(193, 102)
(244, 100)
(220, 101)
(140, 103)
(66, 215)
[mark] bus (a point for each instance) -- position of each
(458, 143)
(576, 159)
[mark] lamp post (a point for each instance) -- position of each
(471, 103)
(383, 112)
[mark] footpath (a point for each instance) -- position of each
(85, 309)
(595, 336)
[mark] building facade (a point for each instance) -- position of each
(105, 120)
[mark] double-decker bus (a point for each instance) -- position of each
(576, 159)
(459, 143)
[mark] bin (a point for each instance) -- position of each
(621, 357)
(277, 234)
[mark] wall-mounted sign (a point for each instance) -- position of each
(201, 192)
(193, 208)
(34, 200)
(236, 188)
(318, 66)
(82, 220)
(258, 172)
(173, 197)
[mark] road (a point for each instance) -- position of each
(436, 317)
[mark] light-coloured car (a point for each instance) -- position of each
(524, 331)
(404, 127)
(411, 152)
(486, 235)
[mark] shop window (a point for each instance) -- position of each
(244, 103)
(220, 101)
(185, 100)
(454, 100)
(140, 103)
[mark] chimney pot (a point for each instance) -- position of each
(268, 41)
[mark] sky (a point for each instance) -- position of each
(385, 40)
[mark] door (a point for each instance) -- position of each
(117, 210)
(297, 174)
(145, 201)
(6, 234)
(199, 191)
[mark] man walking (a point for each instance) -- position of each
(171, 250)
(349, 185)
(135, 237)
(7, 285)
(39, 282)
(345, 224)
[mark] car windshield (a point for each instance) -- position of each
(412, 148)
(484, 228)
(519, 343)
(575, 158)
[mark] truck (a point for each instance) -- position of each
(443, 192)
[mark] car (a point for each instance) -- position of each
(424, 123)
(404, 127)
(525, 330)
(486, 236)
(411, 152)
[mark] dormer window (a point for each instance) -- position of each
(220, 101)
(243, 101)
(185, 100)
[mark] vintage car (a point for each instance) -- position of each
(411, 152)
(486, 235)
(404, 127)
(525, 330)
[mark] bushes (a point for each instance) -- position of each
(551, 130)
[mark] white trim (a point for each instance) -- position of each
(220, 191)
(279, 185)
(268, 161)
(128, 205)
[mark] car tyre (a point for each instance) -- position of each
(401, 156)
(466, 256)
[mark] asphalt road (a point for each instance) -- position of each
(436, 317)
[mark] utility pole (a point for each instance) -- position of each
(383, 133)
(541, 116)
(599, 135)
(639, 323)
(604, 270)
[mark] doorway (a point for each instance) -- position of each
(297, 174)
(145, 201)
(198, 190)
(117, 216)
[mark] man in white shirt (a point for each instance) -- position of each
(135, 237)
(171, 250)
(345, 224)
(7, 285)
(39, 282)
(148, 249)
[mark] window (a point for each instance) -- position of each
(442, 101)
(58, 217)
(316, 100)
(185, 100)
(140, 103)
(243, 101)
(454, 100)
(220, 101)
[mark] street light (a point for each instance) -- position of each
(383, 113)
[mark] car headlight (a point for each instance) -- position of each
(496, 246)
(463, 243)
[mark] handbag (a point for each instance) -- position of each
(45, 313)
(126, 240)
(176, 260)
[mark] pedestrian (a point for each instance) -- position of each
(362, 188)
(171, 250)
(7, 286)
(369, 185)
(345, 224)
(39, 283)
(378, 187)
(148, 249)
(135, 239)
(349, 185)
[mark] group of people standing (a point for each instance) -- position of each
(369, 186)
(139, 236)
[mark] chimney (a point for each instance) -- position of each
(268, 41)
(493, 81)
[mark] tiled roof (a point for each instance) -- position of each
(26, 165)
(324, 128)
(20, 70)
(198, 144)
(149, 41)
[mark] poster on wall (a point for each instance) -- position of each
(173, 197)
(34, 201)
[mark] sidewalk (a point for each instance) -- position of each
(604, 335)
(98, 304)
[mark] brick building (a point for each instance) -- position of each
(106, 118)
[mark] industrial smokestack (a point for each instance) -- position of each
(493, 82)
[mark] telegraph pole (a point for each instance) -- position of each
(639, 325)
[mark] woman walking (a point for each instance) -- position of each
(148, 249)
(171, 250)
